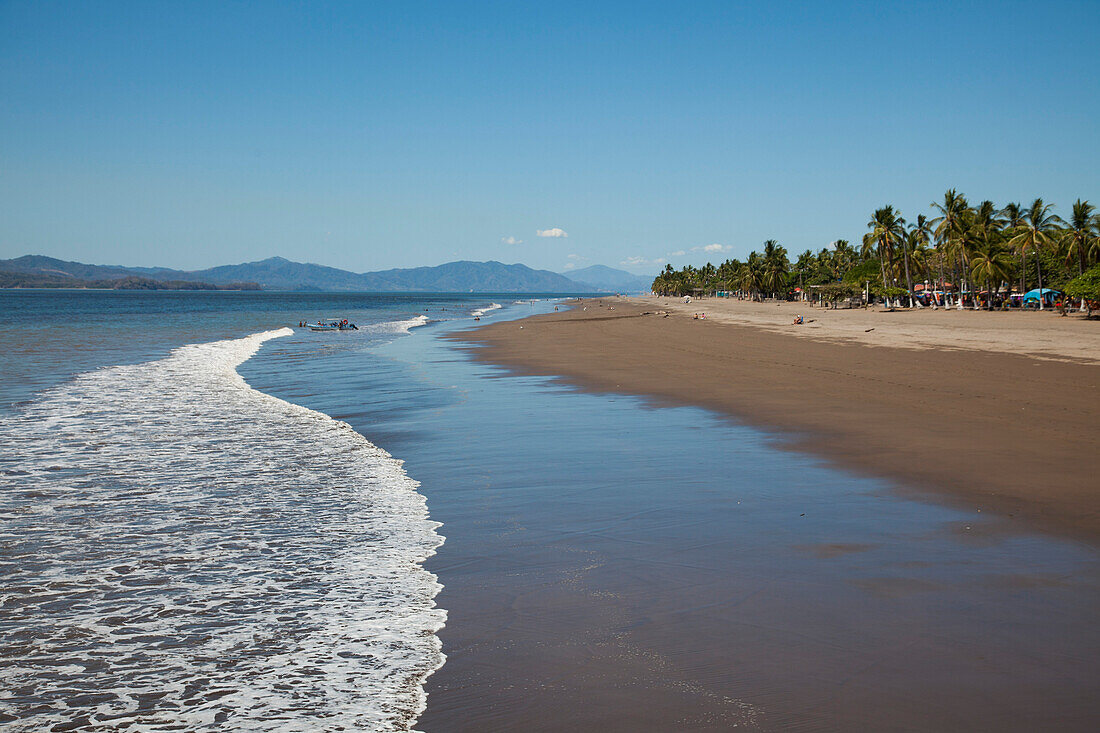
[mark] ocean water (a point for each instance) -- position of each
(211, 522)
(181, 551)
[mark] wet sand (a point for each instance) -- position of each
(984, 430)
(614, 567)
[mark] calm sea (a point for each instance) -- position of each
(214, 520)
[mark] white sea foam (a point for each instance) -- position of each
(179, 550)
(482, 311)
(397, 326)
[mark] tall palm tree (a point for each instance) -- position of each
(909, 243)
(922, 257)
(1078, 240)
(775, 267)
(1012, 219)
(804, 266)
(983, 235)
(918, 235)
(887, 231)
(949, 227)
(990, 264)
(751, 279)
(1035, 234)
(727, 273)
(844, 256)
(707, 274)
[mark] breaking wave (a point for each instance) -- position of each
(482, 311)
(397, 326)
(181, 551)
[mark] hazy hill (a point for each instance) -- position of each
(477, 276)
(278, 273)
(602, 277)
(129, 282)
(49, 266)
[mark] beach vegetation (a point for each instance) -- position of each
(1086, 286)
(963, 256)
(1079, 242)
(886, 235)
(1035, 234)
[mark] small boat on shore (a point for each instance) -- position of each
(330, 324)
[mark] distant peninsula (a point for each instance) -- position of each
(278, 273)
(11, 280)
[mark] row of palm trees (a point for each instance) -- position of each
(961, 249)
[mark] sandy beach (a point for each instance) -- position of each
(1042, 335)
(991, 412)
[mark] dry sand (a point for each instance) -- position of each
(964, 411)
(1045, 335)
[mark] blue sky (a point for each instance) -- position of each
(375, 135)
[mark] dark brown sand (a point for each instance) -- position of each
(608, 594)
(1008, 434)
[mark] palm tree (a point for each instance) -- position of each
(1035, 234)
(887, 231)
(707, 275)
(750, 279)
(775, 267)
(727, 273)
(909, 243)
(918, 235)
(990, 264)
(803, 267)
(844, 256)
(922, 256)
(667, 283)
(1079, 239)
(1012, 218)
(983, 235)
(949, 226)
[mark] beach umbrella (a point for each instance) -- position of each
(1045, 293)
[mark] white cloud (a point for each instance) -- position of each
(712, 248)
(511, 240)
(637, 261)
(554, 232)
(570, 266)
(677, 253)
(576, 257)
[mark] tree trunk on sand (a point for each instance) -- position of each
(882, 269)
(962, 283)
(958, 288)
(1039, 269)
(908, 279)
(943, 283)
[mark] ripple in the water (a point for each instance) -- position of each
(180, 551)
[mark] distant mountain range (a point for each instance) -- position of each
(277, 273)
(608, 278)
(130, 282)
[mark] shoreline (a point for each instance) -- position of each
(989, 432)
